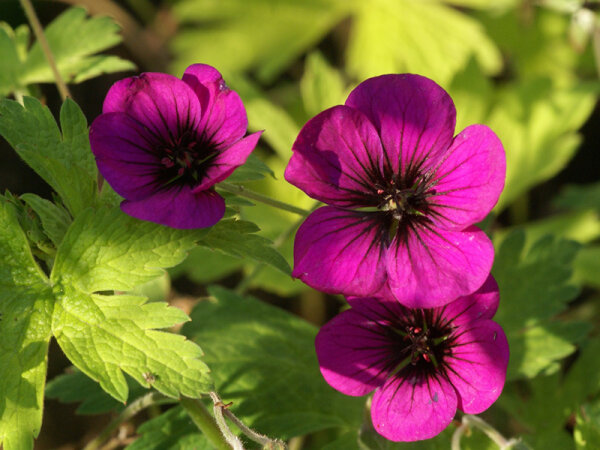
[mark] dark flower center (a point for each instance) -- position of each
(405, 201)
(185, 159)
(420, 343)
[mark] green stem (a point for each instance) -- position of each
(205, 422)
(41, 37)
(153, 398)
(243, 192)
(261, 439)
(218, 408)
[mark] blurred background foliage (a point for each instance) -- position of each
(526, 68)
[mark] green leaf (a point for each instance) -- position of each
(204, 265)
(580, 197)
(483, 4)
(534, 287)
(74, 38)
(587, 427)
(321, 86)
(105, 337)
(541, 407)
(252, 170)
(425, 37)
(583, 378)
(371, 440)
(10, 64)
(55, 219)
(25, 311)
(535, 48)
(64, 162)
(237, 238)
(472, 93)
(264, 35)
(264, 361)
(76, 387)
(537, 123)
(280, 128)
(172, 430)
(581, 226)
(587, 266)
(108, 250)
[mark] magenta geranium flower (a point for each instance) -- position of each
(423, 363)
(162, 143)
(404, 194)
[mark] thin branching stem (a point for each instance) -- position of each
(218, 408)
(41, 37)
(221, 412)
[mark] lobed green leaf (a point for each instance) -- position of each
(73, 39)
(25, 312)
(534, 287)
(106, 250)
(264, 361)
(104, 339)
(64, 162)
(236, 238)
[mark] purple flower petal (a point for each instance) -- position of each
(430, 268)
(178, 208)
(413, 409)
(353, 350)
(224, 117)
(477, 367)
(337, 155)
(228, 160)
(120, 145)
(162, 103)
(414, 116)
(340, 251)
(470, 177)
(482, 304)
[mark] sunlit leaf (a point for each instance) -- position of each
(537, 123)
(64, 160)
(264, 35)
(26, 303)
(74, 39)
(417, 36)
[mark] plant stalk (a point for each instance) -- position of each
(243, 192)
(41, 37)
(206, 423)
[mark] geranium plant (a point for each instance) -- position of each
(252, 247)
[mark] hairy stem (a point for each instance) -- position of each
(153, 398)
(243, 192)
(206, 423)
(218, 408)
(265, 441)
(41, 37)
